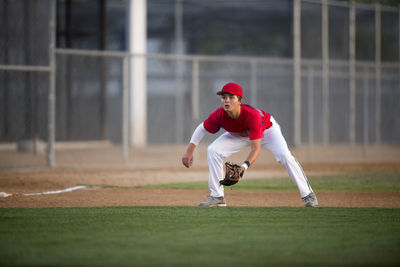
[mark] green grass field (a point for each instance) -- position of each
(193, 236)
(224, 236)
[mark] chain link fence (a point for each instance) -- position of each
(91, 90)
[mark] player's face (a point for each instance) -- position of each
(230, 102)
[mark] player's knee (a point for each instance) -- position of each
(282, 158)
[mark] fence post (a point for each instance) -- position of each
(366, 115)
(52, 90)
(378, 73)
(253, 82)
(138, 71)
(125, 110)
(195, 93)
(352, 73)
(310, 107)
(325, 71)
(179, 70)
(297, 71)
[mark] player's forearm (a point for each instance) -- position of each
(255, 151)
(253, 155)
(190, 148)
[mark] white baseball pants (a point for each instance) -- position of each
(229, 143)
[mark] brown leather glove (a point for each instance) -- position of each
(233, 173)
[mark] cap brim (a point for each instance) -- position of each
(221, 92)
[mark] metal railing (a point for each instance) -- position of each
(257, 67)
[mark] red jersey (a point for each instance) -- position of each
(251, 122)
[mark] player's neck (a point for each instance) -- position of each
(234, 114)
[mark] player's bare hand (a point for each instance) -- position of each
(187, 160)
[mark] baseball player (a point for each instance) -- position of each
(244, 126)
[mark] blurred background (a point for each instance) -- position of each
(113, 82)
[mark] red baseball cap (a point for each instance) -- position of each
(231, 88)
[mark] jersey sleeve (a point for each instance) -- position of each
(198, 134)
(211, 124)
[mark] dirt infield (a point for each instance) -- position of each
(185, 197)
(17, 183)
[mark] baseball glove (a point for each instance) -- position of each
(233, 173)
